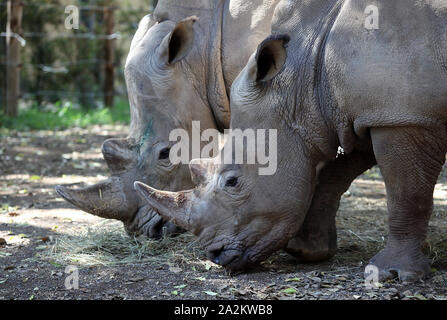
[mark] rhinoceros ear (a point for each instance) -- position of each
(270, 57)
(176, 45)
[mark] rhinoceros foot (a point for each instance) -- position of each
(149, 223)
(398, 262)
(313, 247)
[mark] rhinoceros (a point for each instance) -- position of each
(329, 77)
(181, 64)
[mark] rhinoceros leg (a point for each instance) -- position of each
(317, 237)
(410, 160)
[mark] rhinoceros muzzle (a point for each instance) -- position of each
(177, 207)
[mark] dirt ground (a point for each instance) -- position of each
(40, 235)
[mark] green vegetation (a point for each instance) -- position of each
(63, 115)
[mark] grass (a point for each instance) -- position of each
(62, 115)
(107, 244)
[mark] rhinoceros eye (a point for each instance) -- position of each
(164, 154)
(231, 182)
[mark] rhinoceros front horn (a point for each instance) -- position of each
(173, 206)
(106, 199)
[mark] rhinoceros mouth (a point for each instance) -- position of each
(146, 221)
(223, 256)
(229, 256)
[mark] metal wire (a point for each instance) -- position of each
(61, 6)
(15, 35)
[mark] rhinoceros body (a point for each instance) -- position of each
(178, 70)
(325, 80)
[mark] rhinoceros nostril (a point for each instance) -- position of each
(214, 255)
(156, 230)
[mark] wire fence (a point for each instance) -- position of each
(62, 6)
(76, 76)
(81, 7)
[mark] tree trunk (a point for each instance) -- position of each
(109, 88)
(14, 25)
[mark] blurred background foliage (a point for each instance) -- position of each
(62, 78)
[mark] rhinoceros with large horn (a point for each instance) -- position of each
(329, 77)
(181, 64)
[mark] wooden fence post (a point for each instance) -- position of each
(14, 25)
(109, 88)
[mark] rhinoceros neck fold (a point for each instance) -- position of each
(216, 88)
(207, 46)
(239, 26)
(306, 70)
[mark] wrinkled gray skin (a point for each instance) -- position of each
(379, 94)
(177, 71)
